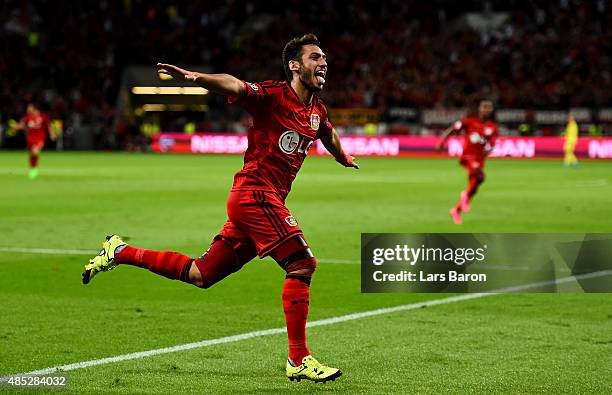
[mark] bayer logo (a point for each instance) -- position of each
(289, 141)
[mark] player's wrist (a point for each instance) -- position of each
(192, 77)
(344, 159)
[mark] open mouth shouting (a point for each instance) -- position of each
(320, 76)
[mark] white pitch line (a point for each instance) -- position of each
(326, 321)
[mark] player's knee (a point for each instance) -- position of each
(296, 258)
(302, 269)
(302, 266)
(195, 277)
(479, 176)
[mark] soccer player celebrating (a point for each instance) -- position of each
(287, 118)
(36, 125)
(479, 135)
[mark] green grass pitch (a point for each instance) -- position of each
(523, 343)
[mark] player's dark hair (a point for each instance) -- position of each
(293, 51)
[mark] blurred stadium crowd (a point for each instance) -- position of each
(382, 54)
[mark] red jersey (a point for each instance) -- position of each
(36, 126)
(283, 129)
(477, 136)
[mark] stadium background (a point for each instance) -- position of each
(397, 68)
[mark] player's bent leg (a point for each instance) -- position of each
(297, 260)
(223, 258)
(115, 252)
(33, 153)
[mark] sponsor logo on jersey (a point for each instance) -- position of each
(291, 220)
(253, 86)
(476, 138)
(289, 141)
(315, 121)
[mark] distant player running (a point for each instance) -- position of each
(287, 118)
(36, 125)
(479, 135)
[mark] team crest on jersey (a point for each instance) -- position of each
(315, 121)
(291, 220)
(488, 131)
(253, 86)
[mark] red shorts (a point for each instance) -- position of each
(35, 142)
(472, 163)
(258, 217)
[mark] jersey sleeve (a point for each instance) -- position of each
(325, 127)
(257, 97)
(493, 137)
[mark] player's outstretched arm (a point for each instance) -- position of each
(332, 144)
(20, 126)
(223, 84)
(51, 132)
(445, 135)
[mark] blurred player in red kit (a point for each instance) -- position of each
(36, 125)
(479, 135)
(287, 118)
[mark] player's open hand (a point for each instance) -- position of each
(176, 72)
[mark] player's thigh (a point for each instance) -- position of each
(263, 218)
(241, 244)
(471, 164)
(35, 146)
(229, 251)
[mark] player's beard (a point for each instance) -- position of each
(307, 77)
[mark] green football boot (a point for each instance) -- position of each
(105, 260)
(311, 369)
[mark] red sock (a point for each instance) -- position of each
(296, 296)
(166, 263)
(33, 160)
